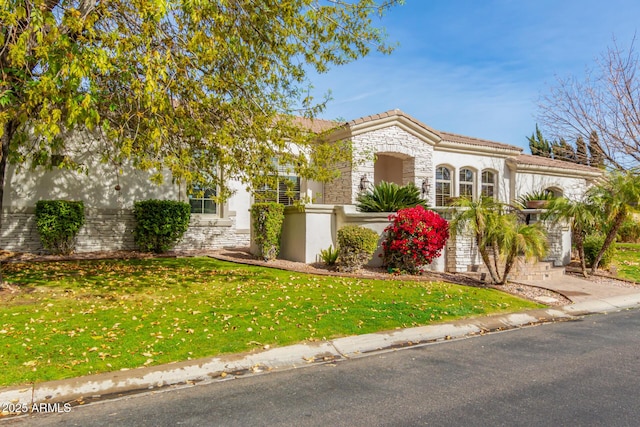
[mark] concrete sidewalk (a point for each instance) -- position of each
(588, 297)
(580, 290)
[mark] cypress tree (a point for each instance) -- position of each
(595, 151)
(582, 157)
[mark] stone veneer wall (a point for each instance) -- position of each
(338, 191)
(111, 230)
(559, 244)
(461, 253)
(392, 139)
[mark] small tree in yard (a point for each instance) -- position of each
(414, 239)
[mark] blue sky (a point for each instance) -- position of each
(478, 67)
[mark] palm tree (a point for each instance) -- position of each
(617, 197)
(499, 235)
(523, 239)
(478, 217)
(582, 217)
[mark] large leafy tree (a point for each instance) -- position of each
(175, 84)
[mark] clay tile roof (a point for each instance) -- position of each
(391, 113)
(528, 159)
(468, 140)
(316, 125)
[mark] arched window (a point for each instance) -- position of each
(466, 183)
(443, 185)
(489, 184)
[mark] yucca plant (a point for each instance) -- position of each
(389, 197)
(330, 255)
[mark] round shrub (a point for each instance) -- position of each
(58, 223)
(356, 246)
(160, 224)
(267, 228)
(415, 238)
(592, 245)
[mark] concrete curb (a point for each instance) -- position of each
(101, 386)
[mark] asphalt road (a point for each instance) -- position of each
(579, 373)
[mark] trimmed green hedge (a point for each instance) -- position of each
(356, 245)
(58, 223)
(267, 228)
(160, 224)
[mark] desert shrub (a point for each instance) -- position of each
(160, 224)
(389, 197)
(592, 245)
(330, 255)
(415, 238)
(267, 228)
(356, 246)
(629, 231)
(58, 223)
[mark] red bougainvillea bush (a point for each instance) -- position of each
(415, 238)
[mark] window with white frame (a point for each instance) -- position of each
(443, 185)
(202, 200)
(466, 183)
(286, 190)
(488, 184)
(202, 193)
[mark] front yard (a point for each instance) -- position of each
(66, 319)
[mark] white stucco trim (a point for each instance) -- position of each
(553, 171)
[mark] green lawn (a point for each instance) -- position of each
(627, 260)
(83, 317)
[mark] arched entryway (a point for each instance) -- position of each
(394, 167)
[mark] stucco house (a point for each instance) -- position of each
(391, 146)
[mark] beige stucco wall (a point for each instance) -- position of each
(572, 187)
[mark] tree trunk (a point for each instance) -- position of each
(608, 241)
(9, 130)
(508, 265)
(579, 239)
(485, 258)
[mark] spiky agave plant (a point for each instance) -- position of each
(389, 197)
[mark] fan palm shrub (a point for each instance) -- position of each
(389, 197)
(499, 235)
